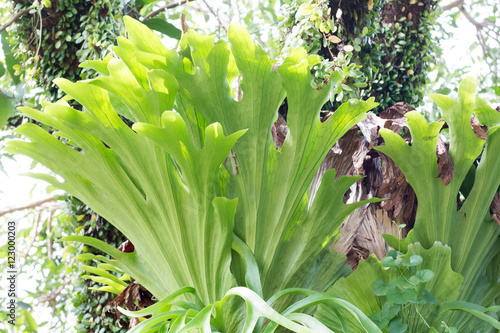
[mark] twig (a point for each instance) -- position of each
(239, 92)
(49, 229)
(238, 11)
(197, 9)
(14, 18)
(162, 8)
(184, 25)
(216, 16)
(328, 45)
(26, 206)
(478, 25)
(50, 298)
(451, 5)
(37, 221)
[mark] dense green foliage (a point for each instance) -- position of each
(80, 37)
(467, 227)
(52, 40)
(154, 259)
(389, 42)
(55, 281)
(91, 304)
(195, 200)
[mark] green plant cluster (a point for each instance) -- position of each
(396, 59)
(39, 252)
(89, 302)
(56, 36)
(390, 60)
(311, 25)
(402, 292)
(466, 268)
(224, 232)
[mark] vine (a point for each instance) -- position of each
(54, 37)
(385, 47)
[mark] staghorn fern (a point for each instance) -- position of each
(163, 182)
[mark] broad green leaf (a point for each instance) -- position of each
(10, 60)
(144, 38)
(197, 167)
(425, 275)
(132, 164)
(326, 298)
(399, 244)
(2, 69)
(486, 114)
(474, 309)
(415, 260)
(31, 325)
(397, 326)
(379, 288)
(388, 312)
(318, 273)
(391, 262)
(113, 286)
(108, 289)
(468, 230)
(206, 318)
(252, 275)
(101, 66)
(272, 186)
(6, 109)
(401, 296)
(164, 27)
(102, 273)
(159, 307)
(428, 297)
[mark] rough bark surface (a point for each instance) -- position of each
(354, 155)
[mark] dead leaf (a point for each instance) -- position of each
(279, 131)
(370, 5)
(126, 247)
(348, 48)
(445, 165)
(334, 39)
(396, 114)
(356, 254)
(134, 322)
(354, 155)
(134, 297)
(184, 25)
(495, 208)
(479, 130)
(394, 184)
(396, 111)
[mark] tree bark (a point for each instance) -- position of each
(28, 205)
(361, 232)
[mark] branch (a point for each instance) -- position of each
(37, 221)
(49, 229)
(216, 15)
(451, 5)
(469, 18)
(50, 298)
(14, 18)
(26, 206)
(162, 8)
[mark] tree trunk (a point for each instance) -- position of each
(354, 155)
